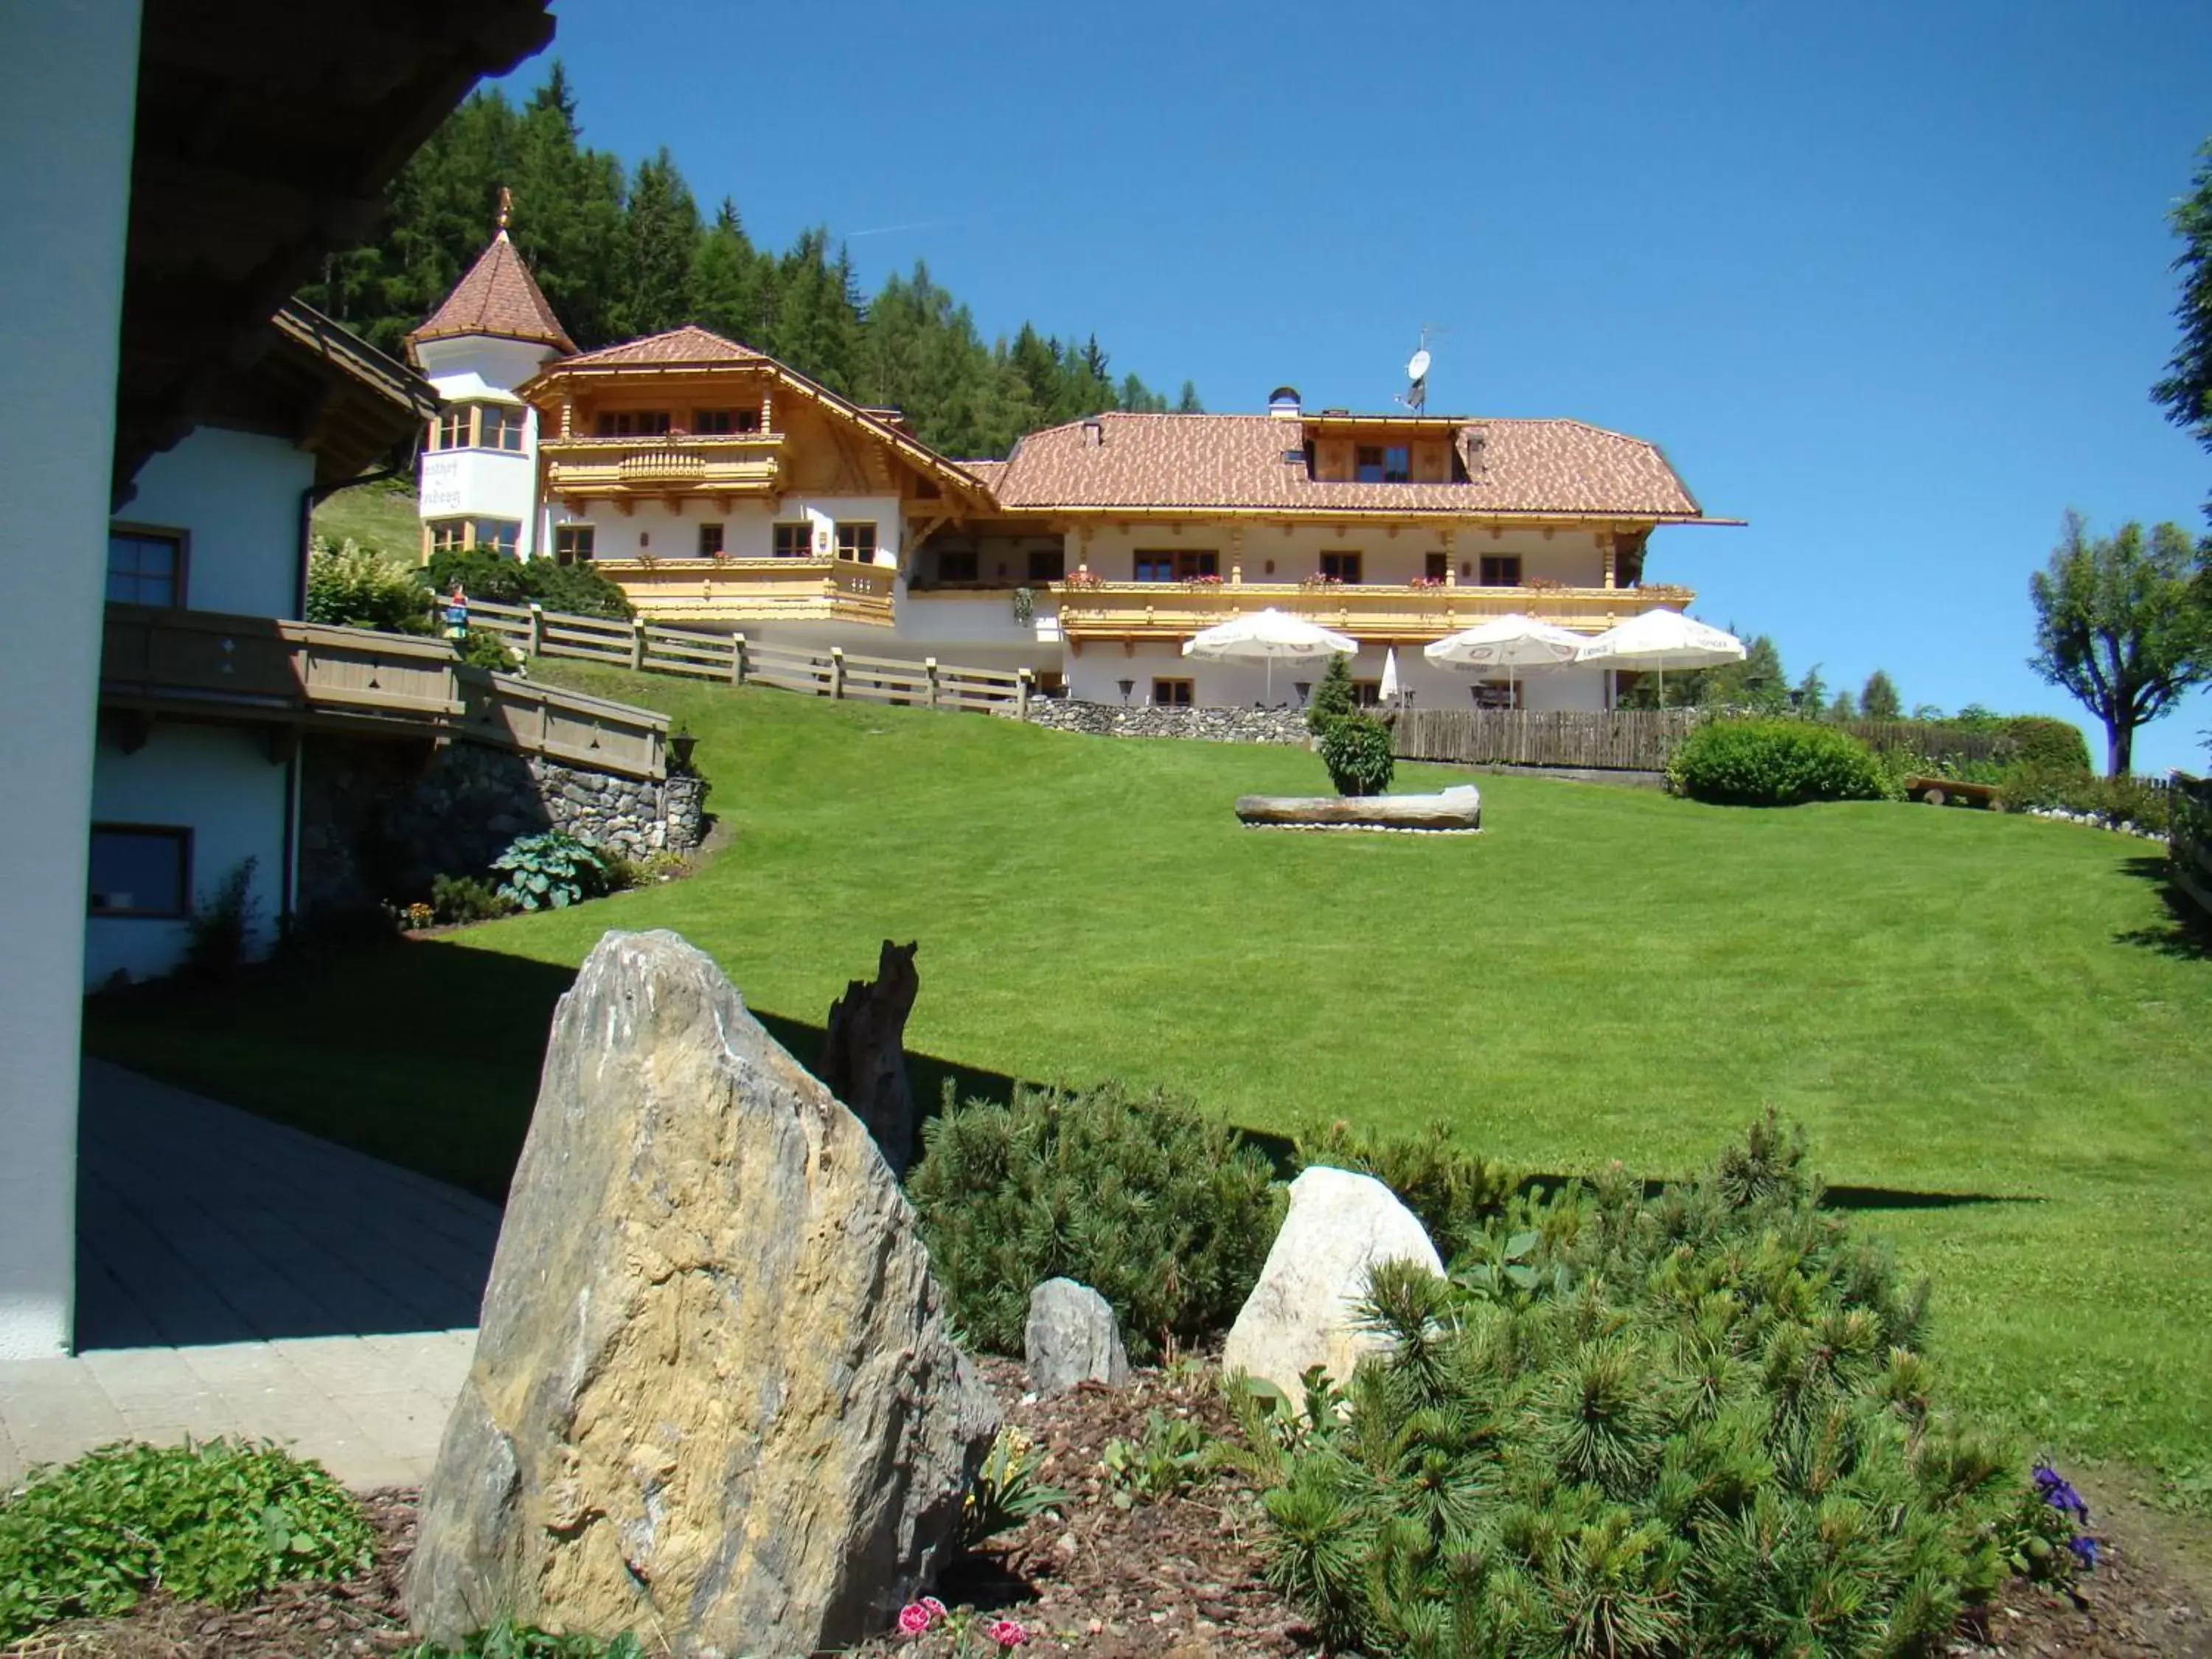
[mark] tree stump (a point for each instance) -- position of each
(863, 1052)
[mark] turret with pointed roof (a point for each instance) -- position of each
(497, 300)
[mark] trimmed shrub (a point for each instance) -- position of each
(2040, 744)
(1774, 763)
(1454, 1192)
(2111, 801)
(578, 589)
(218, 1522)
(1159, 1208)
(1355, 749)
(1693, 1423)
(351, 586)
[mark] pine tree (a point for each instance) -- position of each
(1843, 709)
(731, 280)
(660, 248)
(1188, 403)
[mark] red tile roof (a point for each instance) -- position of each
(498, 297)
(687, 344)
(1257, 461)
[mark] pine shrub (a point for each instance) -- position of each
(579, 590)
(1333, 699)
(217, 1523)
(1454, 1192)
(1161, 1210)
(1697, 1423)
(1774, 763)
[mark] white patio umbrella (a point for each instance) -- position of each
(1269, 636)
(1508, 643)
(1389, 690)
(1660, 640)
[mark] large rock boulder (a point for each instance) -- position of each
(1070, 1338)
(714, 1400)
(1303, 1312)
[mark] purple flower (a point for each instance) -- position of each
(2084, 1551)
(2057, 1492)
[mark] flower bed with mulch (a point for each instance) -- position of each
(1113, 1578)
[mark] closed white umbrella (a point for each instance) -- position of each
(1660, 640)
(1508, 643)
(1268, 636)
(1389, 688)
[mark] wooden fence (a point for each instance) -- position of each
(835, 672)
(1627, 739)
(2190, 840)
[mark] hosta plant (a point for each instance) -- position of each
(550, 871)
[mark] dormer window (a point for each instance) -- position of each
(1383, 464)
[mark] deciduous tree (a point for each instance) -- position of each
(2121, 626)
(2186, 391)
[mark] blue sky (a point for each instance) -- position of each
(1890, 281)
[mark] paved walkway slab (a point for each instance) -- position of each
(238, 1278)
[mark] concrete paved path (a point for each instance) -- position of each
(239, 1278)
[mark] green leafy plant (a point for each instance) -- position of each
(2111, 801)
(1169, 1458)
(220, 929)
(459, 899)
(551, 869)
(1772, 763)
(1008, 1491)
(510, 1640)
(1692, 1423)
(1357, 752)
(350, 586)
(219, 1521)
(1453, 1191)
(1161, 1210)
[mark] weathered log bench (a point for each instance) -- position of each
(1938, 792)
(1457, 809)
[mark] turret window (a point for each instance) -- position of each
(499, 426)
(447, 535)
(451, 429)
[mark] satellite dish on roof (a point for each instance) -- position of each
(1417, 369)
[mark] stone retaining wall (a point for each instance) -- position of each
(1106, 719)
(378, 823)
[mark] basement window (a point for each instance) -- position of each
(140, 870)
(1172, 693)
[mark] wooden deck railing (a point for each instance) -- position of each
(211, 665)
(682, 591)
(650, 647)
(2189, 840)
(1627, 739)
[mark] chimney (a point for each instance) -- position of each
(1283, 402)
(1094, 433)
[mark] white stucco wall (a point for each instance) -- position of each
(68, 81)
(236, 496)
(1094, 676)
(216, 780)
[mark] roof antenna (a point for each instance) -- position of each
(1416, 395)
(506, 206)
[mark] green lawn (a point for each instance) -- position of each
(1957, 1005)
(379, 515)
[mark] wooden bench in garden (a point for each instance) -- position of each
(1941, 792)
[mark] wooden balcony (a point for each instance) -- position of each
(737, 591)
(739, 463)
(1377, 613)
(211, 667)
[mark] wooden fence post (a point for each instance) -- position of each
(537, 646)
(929, 667)
(737, 659)
(836, 672)
(637, 642)
(1021, 694)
